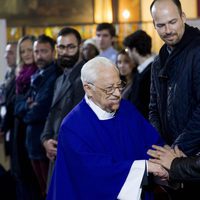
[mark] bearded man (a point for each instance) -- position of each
(68, 89)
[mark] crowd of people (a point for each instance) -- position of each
(82, 120)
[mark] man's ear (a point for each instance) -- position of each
(88, 89)
(183, 16)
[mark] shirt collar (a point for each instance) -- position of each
(143, 66)
(101, 114)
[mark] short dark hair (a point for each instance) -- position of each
(139, 40)
(176, 2)
(106, 26)
(68, 30)
(46, 39)
(122, 51)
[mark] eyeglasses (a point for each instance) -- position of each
(110, 90)
(69, 47)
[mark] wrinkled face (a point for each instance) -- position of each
(104, 39)
(43, 54)
(89, 51)
(108, 79)
(168, 22)
(26, 51)
(125, 65)
(68, 50)
(10, 55)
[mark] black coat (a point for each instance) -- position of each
(185, 173)
(140, 91)
(41, 91)
(9, 90)
(7, 122)
(175, 93)
(67, 95)
(185, 169)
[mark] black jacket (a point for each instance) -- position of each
(175, 93)
(41, 91)
(185, 169)
(67, 95)
(140, 91)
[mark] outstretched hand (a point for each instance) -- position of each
(164, 155)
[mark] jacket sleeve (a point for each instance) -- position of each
(39, 112)
(154, 117)
(185, 169)
(20, 107)
(48, 132)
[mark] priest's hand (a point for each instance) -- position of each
(51, 148)
(157, 170)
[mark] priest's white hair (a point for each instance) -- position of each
(89, 71)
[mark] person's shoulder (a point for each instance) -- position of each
(81, 63)
(193, 36)
(126, 106)
(129, 112)
(76, 114)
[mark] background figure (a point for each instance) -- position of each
(99, 146)
(175, 83)
(105, 36)
(89, 49)
(34, 107)
(138, 45)
(7, 100)
(22, 169)
(127, 69)
(68, 90)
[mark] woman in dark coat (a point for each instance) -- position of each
(23, 172)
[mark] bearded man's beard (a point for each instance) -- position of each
(68, 61)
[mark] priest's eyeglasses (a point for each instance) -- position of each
(110, 90)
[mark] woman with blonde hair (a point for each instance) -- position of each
(25, 64)
(22, 169)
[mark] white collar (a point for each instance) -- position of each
(101, 114)
(143, 66)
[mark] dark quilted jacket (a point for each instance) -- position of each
(175, 93)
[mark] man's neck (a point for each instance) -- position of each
(103, 50)
(142, 59)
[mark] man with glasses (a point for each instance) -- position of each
(102, 142)
(68, 89)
